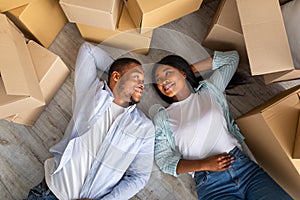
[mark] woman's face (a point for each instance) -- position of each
(171, 82)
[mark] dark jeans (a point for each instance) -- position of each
(245, 180)
(40, 193)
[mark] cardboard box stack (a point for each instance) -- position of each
(30, 74)
(125, 24)
(270, 132)
(258, 34)
(40, 20)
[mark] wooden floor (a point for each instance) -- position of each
(24, 149)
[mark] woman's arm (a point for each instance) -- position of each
(202, 65)
(224, 66)
(213, 163)
(165, 156)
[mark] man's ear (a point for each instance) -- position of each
(115, 76)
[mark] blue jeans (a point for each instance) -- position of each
(40, 193)
(244, 180)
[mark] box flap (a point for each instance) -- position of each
(42, 59)
(278, 98)
(125, 23)
(104, 5)
(51, 70)
(296, 150)
(148, 6)
(6, 5)
(6, 99)
(12, 58)
(265, 37)
(229, 16)
(282, 76)
(44, 28)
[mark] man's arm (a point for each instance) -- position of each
(138, 173)
(90, 59)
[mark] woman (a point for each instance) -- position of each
(196, 133)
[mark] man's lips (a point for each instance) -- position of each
(138, 90)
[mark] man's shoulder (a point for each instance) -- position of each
(138, 116)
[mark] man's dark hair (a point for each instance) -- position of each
(182, 65)
(120, 64)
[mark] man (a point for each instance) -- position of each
(107, 149)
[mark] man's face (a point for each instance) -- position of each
(129, 87)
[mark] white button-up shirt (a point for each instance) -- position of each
(124, 161)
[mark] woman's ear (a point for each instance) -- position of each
(183, 74)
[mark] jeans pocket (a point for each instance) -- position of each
(201, 178)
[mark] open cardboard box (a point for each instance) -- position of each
(97, 13)
(151, 14)
(270, 131)
(258, 34)
(19, 88)
(225, 32)
(126, 36)
(51, 72)
(40, 20)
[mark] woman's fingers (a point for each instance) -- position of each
(225, 161)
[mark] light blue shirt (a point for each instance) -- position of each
(124, 161)
(167, 154)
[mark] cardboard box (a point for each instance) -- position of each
(265, 36)
(270, 131)
(151, 14)
(97, 13)
(40, 20)
(51, 72)
(125, 37)
(225, 32)
(296, 151)
(282, 76)
(262, 30)
(6, 5)
(19, 89)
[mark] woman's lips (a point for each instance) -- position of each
(168, 86)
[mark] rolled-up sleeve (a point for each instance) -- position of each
(224, 66)
(165, 156)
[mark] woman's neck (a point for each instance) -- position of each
(183, 94)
